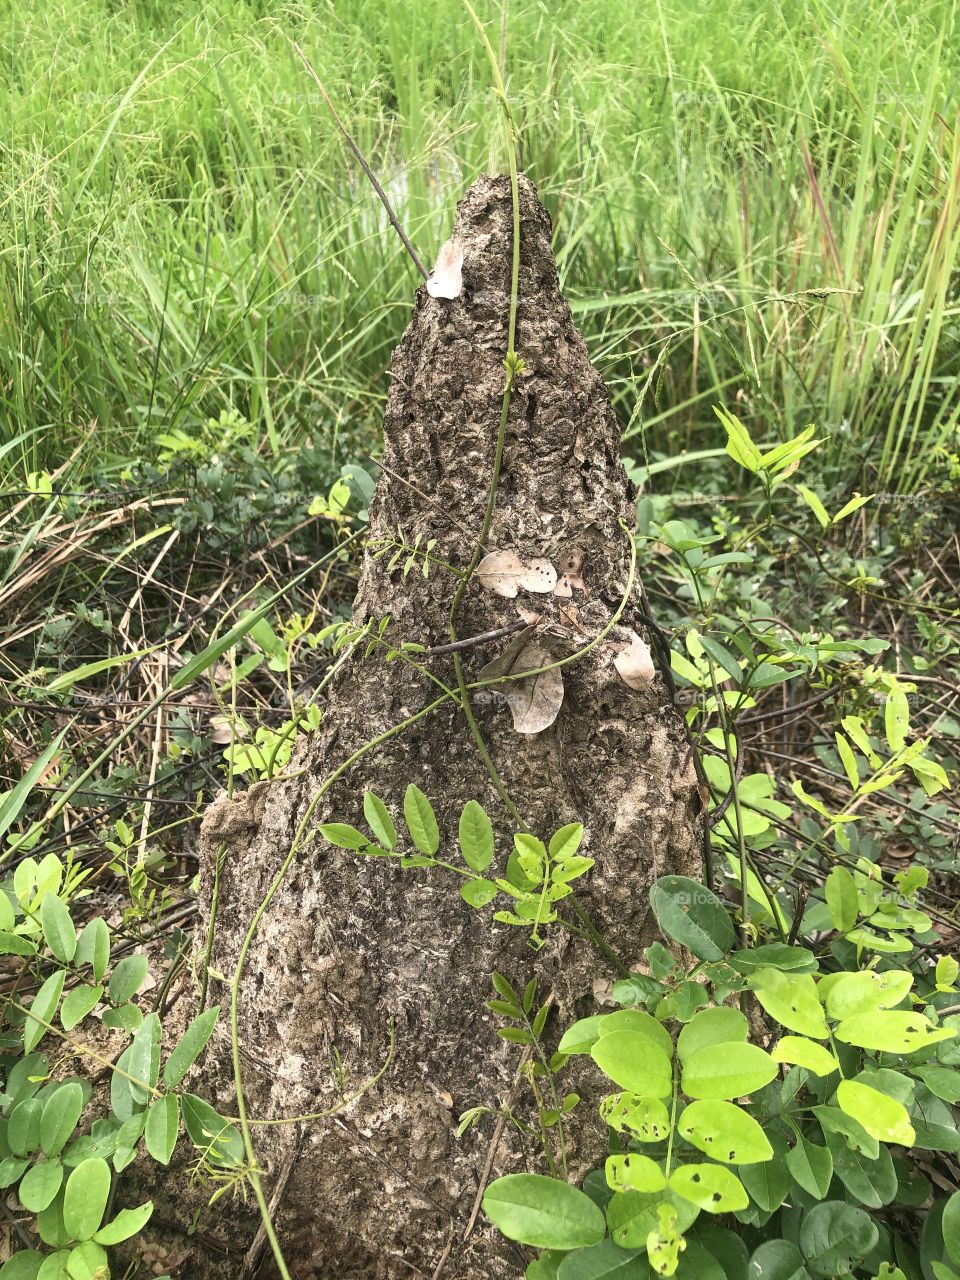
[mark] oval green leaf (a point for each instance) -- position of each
(85, 1198)
(634, 1061)
(725, 1132)
(476, 836)
(692, 915)
(543, 1212)
(727, 1071)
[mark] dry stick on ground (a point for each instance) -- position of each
(384, 200)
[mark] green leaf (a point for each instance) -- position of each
(144, 1061)
(88, 1261)
(59, 932)
(632, 1215)
(849, 994)
(848, 759)
(11, 802)
(216, 1137)
(719, 1025)
(792, 1000)
(724, 1132)
(943, 1082)
(543, 1212)
(77, 1004)
(810, 1166)
(634, 1061)
(950, 1226)
(727, 1071)
(805, 1053)
(606, 1261)
(710, 1187)
(777, 1260)
(768, 1182)
(23, 1265)
(40, 1184)
(126, 1224)
(823, 519)
(476, 836)
(773, 955)
(634, 1172)
(43, 1009)
(127, 978)
(421, 820)
(190, 1045)
(896, 718)
(23, 1129)
(12, 944)
(477, 893)
(583, 1035)
(891, 1031)
(856, 502)
(843, 901)
(379, 820)
(836, 1237)
(692, 915)
(85, 1198)
(565, 842)
(93, 946)
(162, 1126)
(872, 1182)
(342, 836)
(61, 1112)
(883, 1117)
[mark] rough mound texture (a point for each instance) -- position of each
(351, 944)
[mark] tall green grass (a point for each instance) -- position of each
(758, 205)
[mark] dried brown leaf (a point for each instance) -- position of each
(534, 702)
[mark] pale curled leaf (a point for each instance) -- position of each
(446, 279)
(501, 572)
(634, 663)
(540, 576)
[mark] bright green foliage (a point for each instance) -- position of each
(709, 1122)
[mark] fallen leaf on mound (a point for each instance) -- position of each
(501, 572)
(540, 576)
(446, 279)
(534, 702)
(634, 664)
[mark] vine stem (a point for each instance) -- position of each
(511, 371)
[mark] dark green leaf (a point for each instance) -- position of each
(59, 932)
(476, 837)
(835, 1238)
(421, 820)
(85, 1198)
(692, 915)
(127, 978)
(379, 820)
(543, 1212)
(189, 1047)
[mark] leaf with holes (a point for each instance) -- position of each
(645, 1119)
(634, 1172)
(710, 1187)
(891, 1031)
(792, 1000)
(724, 1132)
